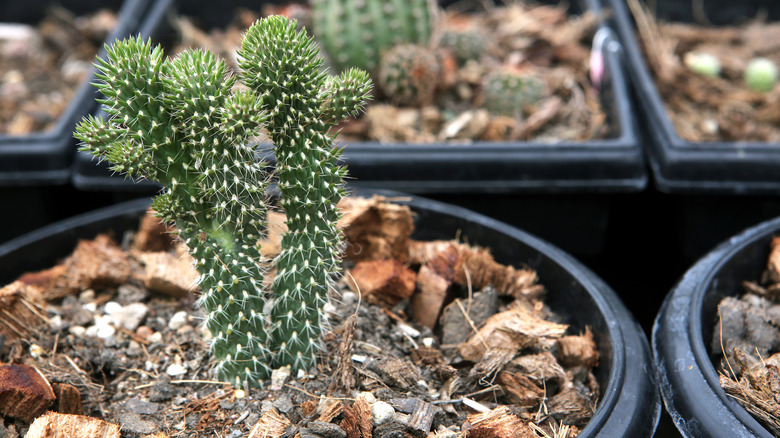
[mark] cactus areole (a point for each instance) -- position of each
(179, 121)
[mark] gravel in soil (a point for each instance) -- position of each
(496, 362)
(41, 66)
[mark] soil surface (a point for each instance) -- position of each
(42, 66)
(115, 327)
(542, 41)
(720, 108)
(746, 344)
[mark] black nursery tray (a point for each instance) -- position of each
(46, 157)
(678, 165)
(613, 164)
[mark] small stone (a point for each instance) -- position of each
(56, 323)
(226, 404)
(175, 369)
(382, 412)
(131, 423)
(283, 404)
(77, 330)
(155, 337)
(144, 332)
(326, 430)
(87, 296)
(128, 294)
(162, 391)
(278, 377)
(178, 320)
(138, 406)
(129, 316)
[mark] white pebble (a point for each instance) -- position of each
(178, 320)
(278, 377)
(76, 330)
(112, 307)
(408, 330)
(89, 306)
(382, 412)
(175, 369)
(155, 337)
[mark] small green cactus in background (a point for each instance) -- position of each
(408, 75)
(464, 45)
(507, 93)
(761, 75)
(705, 64)
(179, 122)
(356, 33)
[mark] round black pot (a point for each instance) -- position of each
(630, 405)
(683, 331)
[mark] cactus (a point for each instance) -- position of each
(464, 45)
(179, 122)
(761, 75)
(408, 75)
(507, 93)
(356, 33)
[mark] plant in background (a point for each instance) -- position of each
(508, 93)
(179, 122)
(408, 75)
(761, 75)
(464, 45)
(705, 64)
(356, 33)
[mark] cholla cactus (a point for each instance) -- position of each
(179, 122)
(408, 75)
(355, 33)
(507, 93)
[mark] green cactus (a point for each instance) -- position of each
(464, 45)
(408, 75)
(179, 122)
(508, 93)
(355, 33)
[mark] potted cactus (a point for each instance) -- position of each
(723, 141)
(182, 122)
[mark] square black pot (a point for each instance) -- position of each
(678, 165)
(46, 157)
(613, 164)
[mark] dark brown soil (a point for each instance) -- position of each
(42, 66)
(704, 108)
(150, 372)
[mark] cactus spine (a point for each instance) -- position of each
(178, 122)
(408, 75)
(355, 33)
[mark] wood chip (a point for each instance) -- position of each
(24, 392)
(578, 350)
(421, 414)
(375, 229)
(68, 399)
(94, 264)
(357, 422)
(432, 290)
(773, 264)
(56, 425)
(153, 235)
(270, 425)
(474, 267)
(21, 309)
(382, 282)
(498, 423)
(515, 328)
(168, 273)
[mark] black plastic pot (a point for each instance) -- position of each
(614, 164)
(683, 331)
(680, 166)
(630, 404)
(47, 157)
